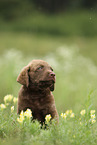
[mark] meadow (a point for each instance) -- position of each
(73, 57)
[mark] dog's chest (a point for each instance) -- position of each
(39, 107)
(38, 103)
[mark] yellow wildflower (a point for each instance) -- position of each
(12, 108)
(83, 112)
(2, 106)
(15, 100)
(8, 98)
(72, 115)
(63, 115)
(67, 112)
(28, 113)
(22, 113)
(48, 118)
(21, 118)
(93, 121)
(93, 116)
(92, 111)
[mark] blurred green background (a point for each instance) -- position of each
(62, 32)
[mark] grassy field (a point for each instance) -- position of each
(72, 54)
(73, 128)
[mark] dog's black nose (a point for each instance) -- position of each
(52, 74)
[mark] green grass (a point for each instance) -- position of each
(77, 130)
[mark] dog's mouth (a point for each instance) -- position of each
(48, 83)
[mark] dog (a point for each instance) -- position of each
(38, 81)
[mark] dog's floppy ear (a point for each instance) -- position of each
(23, 77)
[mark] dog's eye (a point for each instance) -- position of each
(51, 68)
(39, 68)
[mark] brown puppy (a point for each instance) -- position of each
(37, 80)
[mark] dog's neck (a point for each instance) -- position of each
(37, 92)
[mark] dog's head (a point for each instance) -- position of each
(37, 74)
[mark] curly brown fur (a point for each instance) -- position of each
(38, 80)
